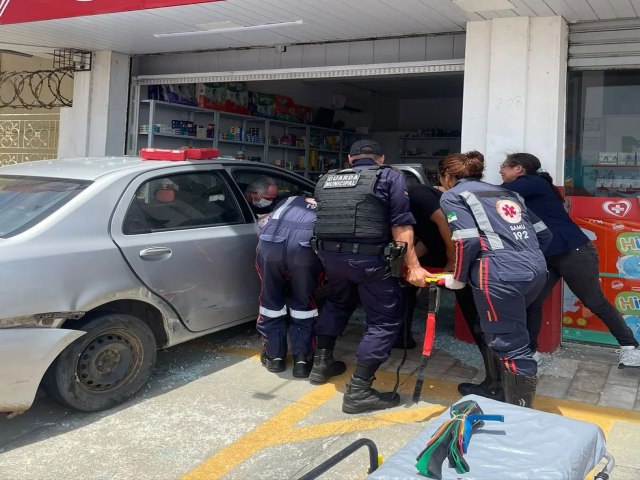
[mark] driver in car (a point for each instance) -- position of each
(262, 194)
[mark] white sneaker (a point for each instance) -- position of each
(629, 357)
(537, 357)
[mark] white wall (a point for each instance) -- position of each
(514, 92)
(96, 124)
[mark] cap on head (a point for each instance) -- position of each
(365, 147)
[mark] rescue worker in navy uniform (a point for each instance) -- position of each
(436, 250)
(284, 256)
(360, 210)
(498, 245)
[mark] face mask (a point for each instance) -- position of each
(262, 203)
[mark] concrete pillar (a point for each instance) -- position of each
(96, 124)
(515, 91)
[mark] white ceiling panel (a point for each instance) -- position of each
(603, 9)
(326, 20)
(622, 8)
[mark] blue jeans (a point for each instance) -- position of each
(579, 267)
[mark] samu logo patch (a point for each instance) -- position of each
(509, 211)
(451, 217)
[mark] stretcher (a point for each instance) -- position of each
(526, 445)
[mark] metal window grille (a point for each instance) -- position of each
(28, 137)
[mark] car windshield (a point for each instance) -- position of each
(26, 201)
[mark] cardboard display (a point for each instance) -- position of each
(613, 225)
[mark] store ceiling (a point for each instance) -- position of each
(324, 20)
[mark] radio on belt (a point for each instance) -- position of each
(179, 155)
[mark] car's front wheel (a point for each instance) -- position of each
(104, 367)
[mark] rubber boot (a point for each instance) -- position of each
(360, 397)
(518, 389)
(324, 366)
(491, 387)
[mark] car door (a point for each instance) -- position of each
(184, 234)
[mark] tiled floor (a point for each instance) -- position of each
(584, 373)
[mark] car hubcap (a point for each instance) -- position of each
(108, 361)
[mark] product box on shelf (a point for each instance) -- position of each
(261, 104)
(236, 98)
(183, 94)
(626, 158)
(183, 127)
(285, 108)
(225, 96)
(211, 95)
(303, 114)
(608, 158)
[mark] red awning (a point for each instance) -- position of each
(23, 11)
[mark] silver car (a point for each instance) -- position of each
(105, 260)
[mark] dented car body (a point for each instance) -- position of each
(104, 260)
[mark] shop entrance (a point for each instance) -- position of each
(308, 124)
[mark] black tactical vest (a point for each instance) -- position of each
(347, 207)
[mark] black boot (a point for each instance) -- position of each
(360, 397)
(272, 364)
(302, 364)
(491, 387)
(324, 366)
(518, 389)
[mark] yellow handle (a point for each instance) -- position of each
(437, 277)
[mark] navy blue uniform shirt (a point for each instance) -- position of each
(392, 189)
(541, 200)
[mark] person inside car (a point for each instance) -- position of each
(262, 195)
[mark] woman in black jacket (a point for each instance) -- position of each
(570, 256)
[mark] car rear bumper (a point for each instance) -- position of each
(25, 355)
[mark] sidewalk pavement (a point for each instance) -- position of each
(212, 411)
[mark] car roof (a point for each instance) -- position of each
(92, 168)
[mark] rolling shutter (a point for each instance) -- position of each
(604, 44)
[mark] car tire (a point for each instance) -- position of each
(104, 367)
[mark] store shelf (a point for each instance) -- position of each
(172, 135)
(427, 147)
(160, 112)
(239, 142)
(178, 106)
(288, 147)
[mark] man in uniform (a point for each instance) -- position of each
(284, 256)
(360, 210)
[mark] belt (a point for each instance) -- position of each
(349, 247)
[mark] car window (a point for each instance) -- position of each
(188, 200)
(411, 177)
(249, 180)
(26, 201)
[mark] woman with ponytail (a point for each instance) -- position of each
(497, 252)
(570, 256)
